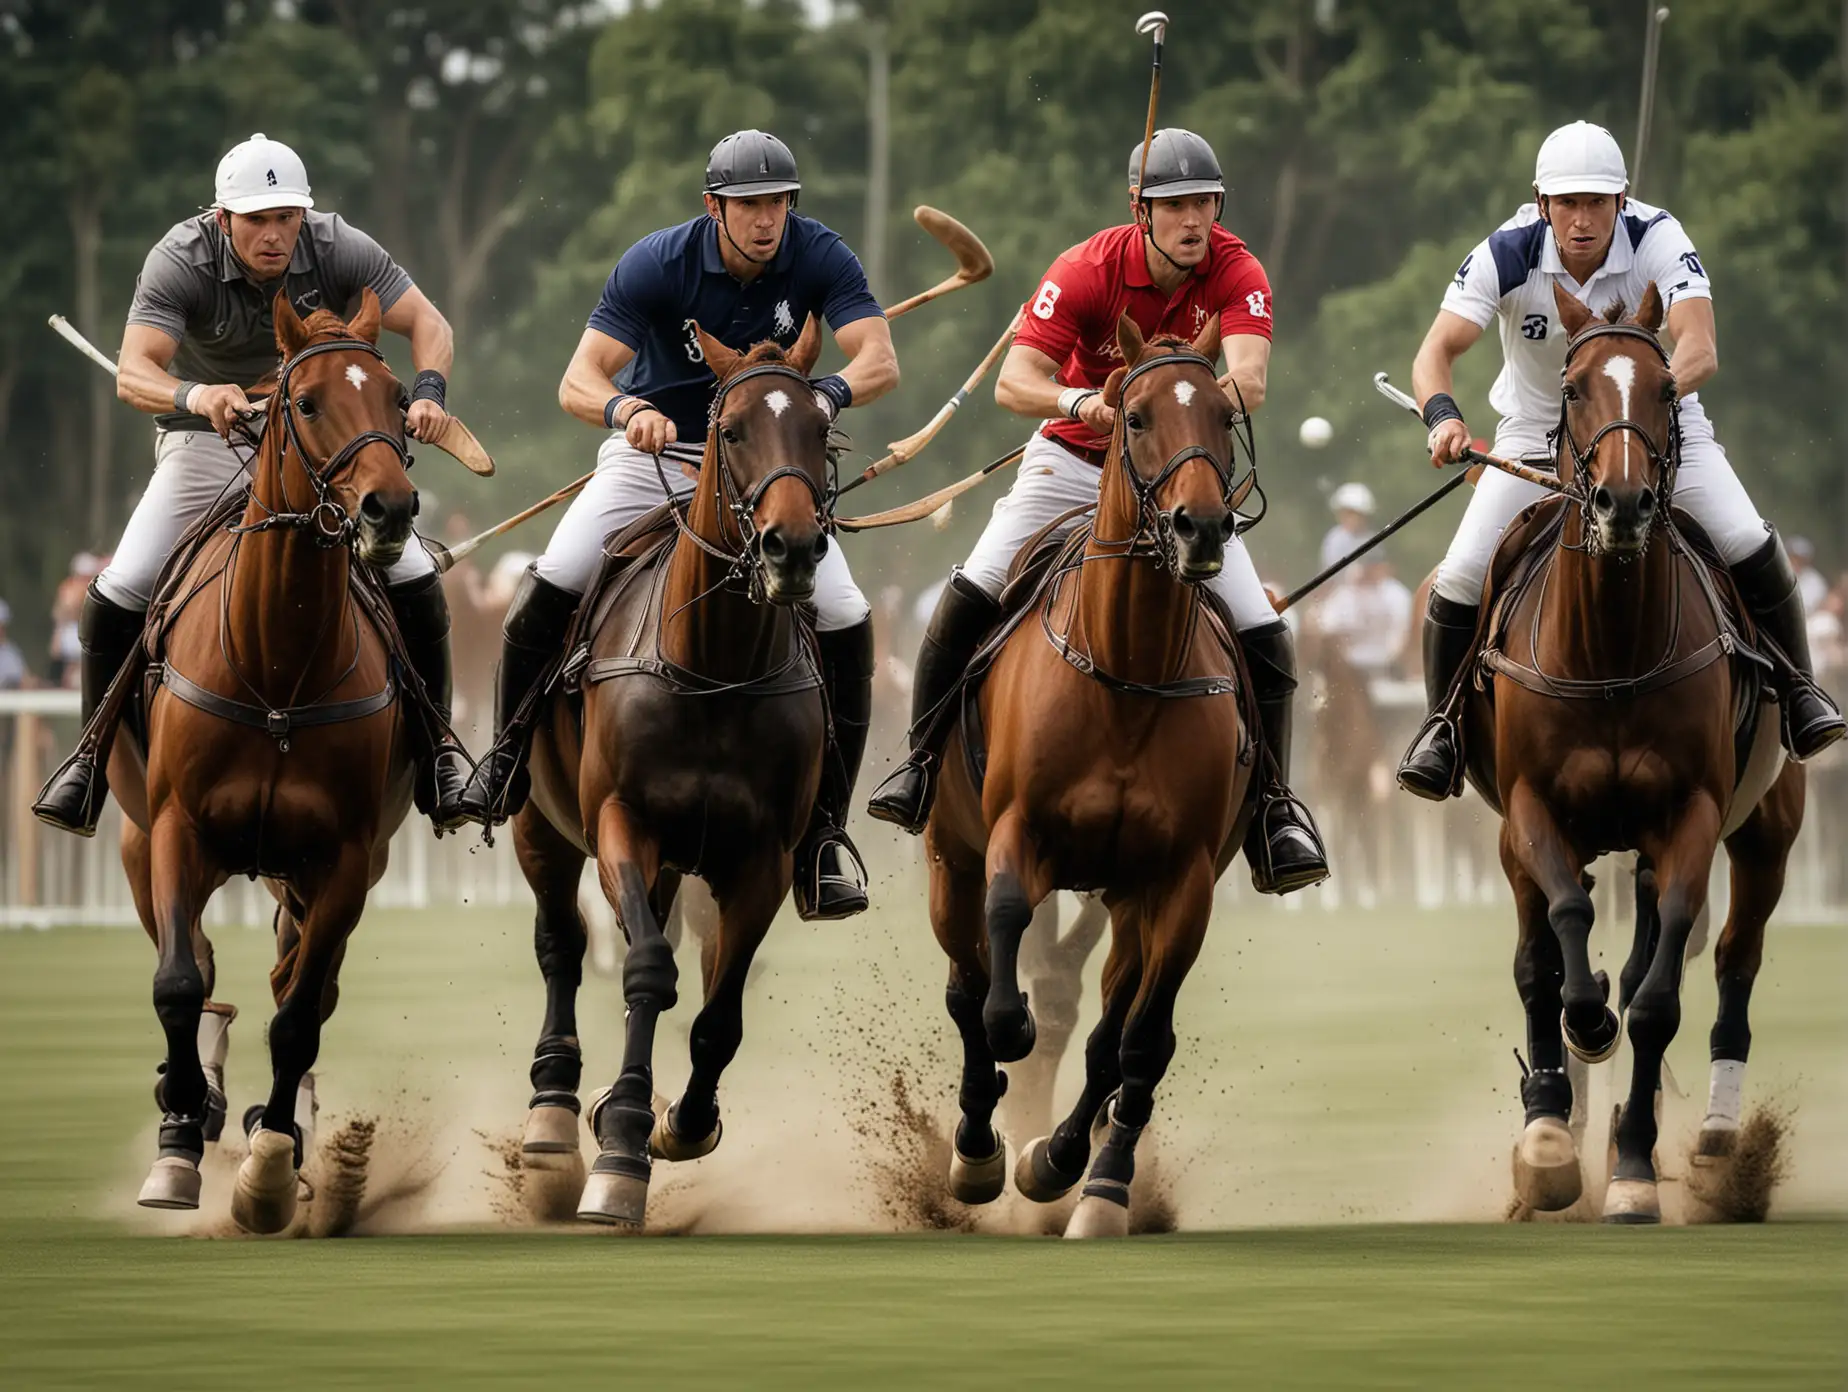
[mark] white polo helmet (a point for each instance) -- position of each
(1580, 158)
(1352, 497)
(259, 174)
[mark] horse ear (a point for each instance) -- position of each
(1113, 386)
(807, 348)
(719, 358)
(291, 332)
(1574, 314)
(366, 323)
(1206, 344)
(1649, 312)
(1130, 340)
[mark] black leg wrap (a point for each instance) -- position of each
(182, 1137)
(1006, 1019)
(1547, 1092)
(1732, 1031)
(558, 1069)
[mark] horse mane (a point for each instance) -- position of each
(1168, 340)
(1615, 311)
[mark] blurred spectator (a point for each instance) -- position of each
(1370, 617)
(1353, 505)
(1827, 636)
(1810, 583)
(13, 670)
(66, 606)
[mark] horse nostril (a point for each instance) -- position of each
(821, 546)
(775, 548)
(1185, 528)
(372, 508)
(1601, 499)
(1646, 503)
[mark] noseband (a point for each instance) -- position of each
(328, 520)
(1154, 534)
(1667, 462)
(748, 564)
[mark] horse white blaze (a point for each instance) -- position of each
(778, 402)
(356, 375)
(1184, 392)
(1621, 369)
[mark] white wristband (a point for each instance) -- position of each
(193, 395)
(1072, 398)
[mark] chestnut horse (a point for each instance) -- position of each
(276, 738)
(1609, 727)
(703, 731)
(1117, 761)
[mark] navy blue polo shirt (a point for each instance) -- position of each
(674, 278)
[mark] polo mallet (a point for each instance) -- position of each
(1443, 490)
(973, 262)
(1645, 107)
(1154, 22)
(920, 508)
(1538, 477)
(456, 440)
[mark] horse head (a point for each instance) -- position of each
(1174, 439)
(767, 460)
(1617, 422)
(342, 419)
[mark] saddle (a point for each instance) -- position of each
(1523, 558)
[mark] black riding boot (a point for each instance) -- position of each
(830, 879)
(422, 612)
(1282, 846)
(1769, 587)
(1431, 767)
(531, 637)
(72, 799)
(964, 616)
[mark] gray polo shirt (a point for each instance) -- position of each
(195, 290)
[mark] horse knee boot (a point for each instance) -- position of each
(72, 799)
(1432, 766)
(1768, 584)
(531, 637)
(963, 618)
(1282, 845)
(422, 612)
(830, 881)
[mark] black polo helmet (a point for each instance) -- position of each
(749, 163)
(1180, 163)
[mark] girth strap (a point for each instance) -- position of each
(276, 723)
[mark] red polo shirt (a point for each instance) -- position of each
(1072, 317)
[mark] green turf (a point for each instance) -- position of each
(1331, 1067)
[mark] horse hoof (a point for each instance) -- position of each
(172, 1183)
(263, 1199)
(1546, 1166)
(617, 1201)
(1010, 1032)
(550, 1131)
(1716, 1143)
(1632, 1201)
(550, 1183)
(665, 1143)
(978, 1181)
(1600, 1045)
(1099, 1215)
(1037, 1178)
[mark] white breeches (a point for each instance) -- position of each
(625, 486)
(1051, 480)
(192, 469)
(1705, 486)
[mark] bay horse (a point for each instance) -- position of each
(700, 750)
(277, 741)
(1117, 760)
(1609, 725)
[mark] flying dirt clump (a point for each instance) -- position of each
(1737, 1188)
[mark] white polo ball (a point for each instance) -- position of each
(1315, 432)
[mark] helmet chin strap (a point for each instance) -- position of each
(755, 261)
(1148, 230)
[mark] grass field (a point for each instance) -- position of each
(1349, 1072)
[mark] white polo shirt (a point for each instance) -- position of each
(1512, 274)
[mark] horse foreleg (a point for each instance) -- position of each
(1759, 852)
(553, 867)
(978, 1154)
(1683, 861)
(748, 900)
(1053, 965)
(1173, 930)
(1016, 884)
(628, 865)
(1547, 1176)
(1532, 840)
(264, 1199)
(1051, 1165)
(179, 882)
(1643, 940)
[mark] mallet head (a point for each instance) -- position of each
(1155, 22)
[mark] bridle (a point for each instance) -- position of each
(1154, 533)
(747, 564)
(1667, 462)
(327, 520)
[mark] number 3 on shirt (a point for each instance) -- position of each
(1048, 297)
(1255, 303)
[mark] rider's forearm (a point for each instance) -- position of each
(146, 386)
(1431, 372)
(433, 343)
(872, 372)
(1027, 392)
(1693, 364)
(584, 392)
